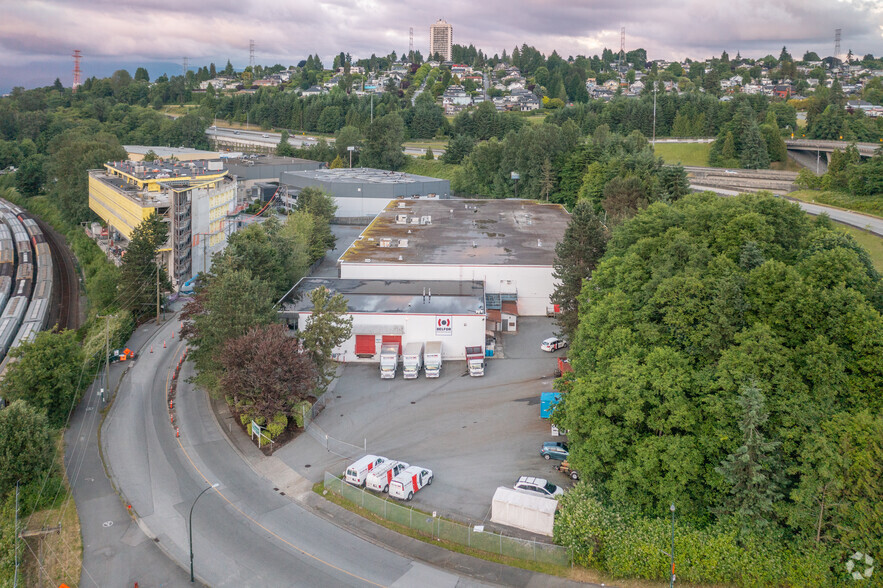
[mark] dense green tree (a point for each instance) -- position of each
(138, 272)
(284, 148)
(217, 314)
(754, 153)
(383, 143)
(25, 445)
(458, 147)
(46, 375)
(31, 175)
(348, 137)
(327, 327)
(576, 256)
(321, 205)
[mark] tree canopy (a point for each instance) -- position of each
(692, 303)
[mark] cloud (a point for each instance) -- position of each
(286, 31)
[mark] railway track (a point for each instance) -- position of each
(65, 308)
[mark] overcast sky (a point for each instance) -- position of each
(37, 37)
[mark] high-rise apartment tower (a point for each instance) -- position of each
(440, 39)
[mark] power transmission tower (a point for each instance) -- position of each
(621, 49)
(411, 44)
(836, 43)
(77, 70)
(186, 65)
(251, 55)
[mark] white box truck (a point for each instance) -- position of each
(412, 360)
(475, 360)
(389, 360)
(432, 359)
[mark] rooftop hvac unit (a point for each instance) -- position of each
(415, 220)
(403, 242)
(403, 205)
(425, 220)
(386, 242)
(401, 219)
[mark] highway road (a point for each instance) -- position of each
(265, 140)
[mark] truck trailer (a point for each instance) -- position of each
(432, 359)
(412, 360)
(475, 360)
(389, 360)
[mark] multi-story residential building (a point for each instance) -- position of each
(441, 39)
(194, 198)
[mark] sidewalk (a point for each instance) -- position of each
(298, 488)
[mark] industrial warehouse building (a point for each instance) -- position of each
(507, 245)
(196, 198)
(363, 192)
(398, 311)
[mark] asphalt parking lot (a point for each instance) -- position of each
(474, 433)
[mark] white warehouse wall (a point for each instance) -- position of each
(466, 330)
(534, 284)
(360, 206)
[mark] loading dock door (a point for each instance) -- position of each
(393, 339)
(365, 345)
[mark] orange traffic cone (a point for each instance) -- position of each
(163, 343)
(151, 348)
(177, 432)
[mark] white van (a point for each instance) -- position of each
(356, 473)
(407, 483)
(380, 477)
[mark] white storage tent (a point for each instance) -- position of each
(524, 511)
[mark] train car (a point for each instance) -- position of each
(8, 332)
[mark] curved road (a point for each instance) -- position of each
(247, 532)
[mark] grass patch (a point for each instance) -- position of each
(787, 165)
(692, 154)
(434, 144)
(432, 169)
(536, 119)
(869, 241)
(865, 204)
(57, 557)
(575, 572)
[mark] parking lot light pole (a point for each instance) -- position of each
(672, 582)
(190, 530)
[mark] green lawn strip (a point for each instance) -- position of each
(432, 169)
(692, 154)
(865, 204)
(330, 496)
(869, 241)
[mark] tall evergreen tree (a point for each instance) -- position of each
(754, 150)
(138, 272)
(752, 471)
(576, 256)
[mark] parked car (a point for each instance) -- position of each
(554, 450)
(538, 486)
(266, 136)
(380, 477)
(553, 344)
(356, 473)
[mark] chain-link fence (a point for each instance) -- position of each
(448, 530)
(331, 444)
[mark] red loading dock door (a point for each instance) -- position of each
(393, 339)
(365, 345)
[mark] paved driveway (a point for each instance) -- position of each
(474, 433)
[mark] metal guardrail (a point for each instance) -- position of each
(442, 529)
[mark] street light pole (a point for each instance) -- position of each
(654, 114)
(672, 582)
(190, 531)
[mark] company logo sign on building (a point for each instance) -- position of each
(443, 326)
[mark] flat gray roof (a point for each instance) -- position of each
(462, 232)
(363, 175)
(166, 152)
(392, 296)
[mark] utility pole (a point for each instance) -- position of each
(372, 106)
(106, 388)
(15, 548)
(654, 114)
(157, 290)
